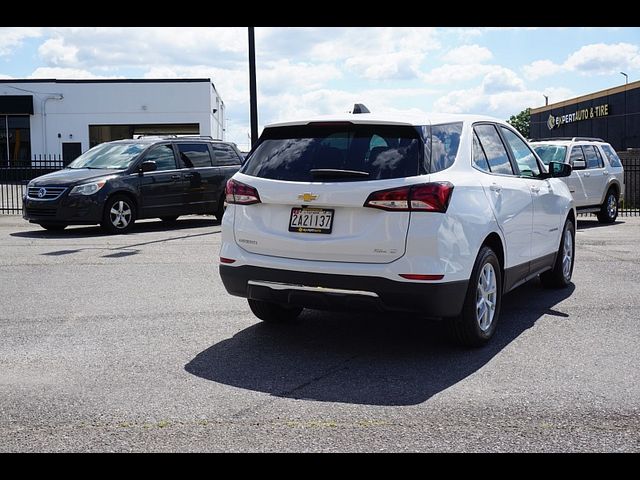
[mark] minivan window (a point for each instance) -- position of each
(550, 153)
(445, 140)
(194, 155)
(611, 154)
(224, 155)
(117, 156)
(336, 152)
(163, 156)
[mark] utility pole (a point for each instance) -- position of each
(252, 87)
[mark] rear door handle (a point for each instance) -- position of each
(495, 188)
(175, 177)
(587, 174)
(188, 175)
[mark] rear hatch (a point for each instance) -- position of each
(312, 182)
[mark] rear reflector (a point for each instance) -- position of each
(240, 193)
(226, 260)
(417, 276)
(424, 197)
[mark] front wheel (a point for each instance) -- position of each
(119, 214)
(560, 275)
(273, 312)
(609, 209)
(477, 322)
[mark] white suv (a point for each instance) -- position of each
(437, 216)
(597, 180)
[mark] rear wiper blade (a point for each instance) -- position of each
(337, 173)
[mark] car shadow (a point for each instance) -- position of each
(372, 359)
(141, 226)
(586, 223)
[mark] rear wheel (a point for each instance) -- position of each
(273, 312)
(609, 209)
(477, 322)
(222, 206)
(560, 275)
(119, 214)
(53, 227)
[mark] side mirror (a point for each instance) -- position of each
(579, 164)
(558, 169)
(148, 166)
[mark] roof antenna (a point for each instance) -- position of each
(360, 108)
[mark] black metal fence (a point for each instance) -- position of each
(14, 179)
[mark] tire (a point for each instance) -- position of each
(119, 214)
(609, 209)
(273, 312)
(560, 275)
(53, 227)
(221, 208)
(470, 328)
(170, 219)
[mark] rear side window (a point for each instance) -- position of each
(336, 152)
(612, 156)
(445, 140)
(194, 155)
(163, 156)
(592, 157)
(526, 160)
(494, 149)
(479, 158)
(224, 155)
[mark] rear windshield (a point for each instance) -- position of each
(611, 154)
(550, 153)
(337, 152)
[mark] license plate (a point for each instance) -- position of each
(311, 220)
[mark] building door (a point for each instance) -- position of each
(70, 151)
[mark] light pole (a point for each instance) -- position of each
(624, 116)
(252, 87)
(546, 99)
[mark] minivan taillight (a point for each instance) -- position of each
(240, 193)
(424, 197)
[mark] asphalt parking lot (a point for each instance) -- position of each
(130, 343)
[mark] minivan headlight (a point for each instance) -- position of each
(88, 188)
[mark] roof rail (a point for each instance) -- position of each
(571, 139)
(186, 135)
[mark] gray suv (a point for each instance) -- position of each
(597, 179)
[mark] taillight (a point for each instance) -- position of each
(241, 193)
(424, 197)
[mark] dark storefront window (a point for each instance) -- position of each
(15, 139)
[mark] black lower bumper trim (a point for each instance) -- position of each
(428, 299)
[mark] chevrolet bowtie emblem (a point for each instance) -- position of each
(307, 197)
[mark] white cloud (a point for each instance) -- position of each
(596, 58)
(447, 74)
(501, 80)
(57, 53)
(468, 54)
(280, 75)
(12, 37)
(398, 65)
(60, 72)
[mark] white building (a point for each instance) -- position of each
(67, 117)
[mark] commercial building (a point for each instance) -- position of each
(67, 117)
(612, 114)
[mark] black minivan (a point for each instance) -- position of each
(117, 182)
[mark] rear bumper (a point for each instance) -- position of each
(344, 292)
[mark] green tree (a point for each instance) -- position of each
(521, 122)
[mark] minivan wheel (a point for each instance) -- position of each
(560, 275)
(273, 312)
(119, 214)
(609, 209)
(477, 322)
(222, 206)
(53, 227)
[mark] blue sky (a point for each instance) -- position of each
(321, 70)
